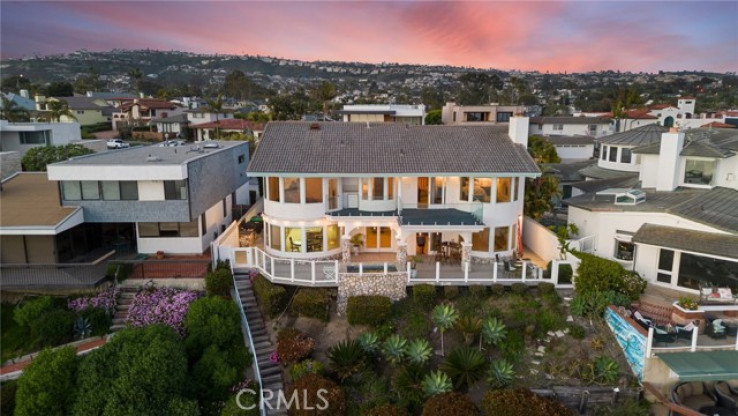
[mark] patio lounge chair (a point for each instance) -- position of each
(642, 320)
(685, 332)
(662, 336)
(693, 394)
(727, 395)
(716, 329)
(721, 295)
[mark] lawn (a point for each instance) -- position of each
(14, 339)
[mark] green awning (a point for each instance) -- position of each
(703, 365)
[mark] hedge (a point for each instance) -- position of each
(450, 404)
(521, 402)
(368, 310)
(497, 289)
(519, 288)
(424, 295)
(565, 272)
(598, 275)
(478, 291)
(272, 298)
(219, 282)
(312, 303)
(450, 292)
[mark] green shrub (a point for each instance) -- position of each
(30, 310)
(54, 328)
(47, 386)
(7, 397)
(577, 331)
(387, 410)
(368, 310)
(625, 408)
(213, 321)
(312, 303)
(598, 275)
(548, 320)
(521, 402)
(219, 282)
(314, 391)
(478, 291)
(545, 288)
(519, 288)
(424, 295)
(497, 289)
(272, 298)
(465, 366)
(512, 347)
(124, 270)
(305, 367)
(293, 345)
(450, 292)
(98, 318)
(450, 404)
(565, 272)
(247, 400)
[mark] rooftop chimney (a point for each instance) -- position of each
(671, 145)
(518, 129)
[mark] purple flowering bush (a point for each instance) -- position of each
(105, 300)
(166, 306)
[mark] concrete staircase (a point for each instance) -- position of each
(271, 374)
(121, 308)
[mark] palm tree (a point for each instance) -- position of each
(12, 112)
(59, 108)
(347, 359)
(470, 326)
(465, 366)
(444, 317)
(493, 331)
(437, 382)
(216, 106)
(419, 351)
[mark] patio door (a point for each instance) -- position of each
(332, 194)
(378, 238)
(423, 192)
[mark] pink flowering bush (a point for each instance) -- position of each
(252, 274)
(166, 306)
(105, 300)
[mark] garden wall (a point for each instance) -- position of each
(391, 285)
(540, 239)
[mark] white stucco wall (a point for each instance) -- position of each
(575, 152)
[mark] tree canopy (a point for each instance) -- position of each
(433, 117)
(47, 386)
(540, 192)
(36, 159)
(478, 88)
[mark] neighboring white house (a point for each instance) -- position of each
(453, 114)
(573, 148)
(406, 189)
(210, 130)
(140, 111)
(679, 228)
(570, 126)
(205, 115)
(23, 136)
(380, 113)
(171, 126)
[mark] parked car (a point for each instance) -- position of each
(118, 144)
(172, 143)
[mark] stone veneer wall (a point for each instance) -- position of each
(10, 162)
(391, 285)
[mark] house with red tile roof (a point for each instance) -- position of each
(209, 131)
(140, 111)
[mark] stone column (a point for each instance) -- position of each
(466, 254)
(345, 249)
(402, 254)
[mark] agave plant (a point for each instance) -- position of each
(347, 359)
(82, 327)
(465, 366)
(394, 349)
(419, 351)
(606, 370)
(470, 326)
(437, 382)
(444, 317)
(407, 382)
(501, 373)
(493, 331)
(369, 342)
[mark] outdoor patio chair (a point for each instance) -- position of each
(693, 394)
(716, 329)
(726, 394)
(685, 332)
(662, 336)
(642, 320)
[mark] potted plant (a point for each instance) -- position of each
(357, 241)
(688, 303)
(159, 255)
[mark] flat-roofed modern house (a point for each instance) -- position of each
(570, 126)
(171, 199)
(453, 114)
(20, 137)
(384, 113)
(405, 189)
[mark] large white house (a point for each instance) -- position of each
(570, 126)
(406, 189)
(381, 113)
(679, 228)
(23, 136)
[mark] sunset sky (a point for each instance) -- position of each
(545, 36)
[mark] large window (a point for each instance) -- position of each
(625, 155)
(275, 235)
(504, 116)
(504, 189)
(502, 237)
(116, 191)
(168, 229)
(90, 190)
(390, 188)
(699, 172)
(624, 250)
(35, 137)
(480, 240)
(482, 189)
(516, 188)
(334, 237)
(314, 237)
(558, 127)
(696, 271)
(604, 152)
(365, 189)
(313, 190)
(274, 188)
(292, 190)
(436, 190)
(174, 190)
(378, 189)
(333, 194)
(293, 239)
(71, 190)
(613, 154)
(666, 265)
(475, 116)
(464, 191)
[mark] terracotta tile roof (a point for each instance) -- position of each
(230, 124)
(661, 106)
(718, 124)
(637, 114)
(569, 120)
(148, 103)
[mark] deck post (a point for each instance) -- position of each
(385, 267)
(312, 271)
(695, 334)
(466, 271)
(335, 271)
(409, 271)
(525, 269)
(292, 270)
(649, 342)
(438, 271)
(361, 269)
(271, 271)
(494, 271)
